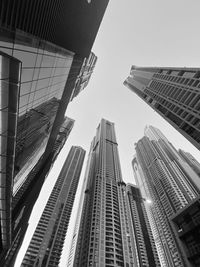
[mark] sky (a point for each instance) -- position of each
(133, 32)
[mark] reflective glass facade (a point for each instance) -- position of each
(44, 72)
(10, 71)
(85, 74)
(34, 74)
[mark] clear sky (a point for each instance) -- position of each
(133, 32)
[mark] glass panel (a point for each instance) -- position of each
(2, 193)
(2, 204)
(47, 61)
(42, 83)
(38, 61)
(25, 88)
(3, 145)
(60, 62)
(44, 73)
(31, 97)
(3, 120)
(4, 67)
(23, 100)
(36, 74)
(3, 94)
(34, 84)
(28, 59)
(2, 163)
(27, 75)
(41, 93)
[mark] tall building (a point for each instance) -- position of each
(174, 93)
(24, 198)
(105, 235)
(186, 227)
(72, 25)
(43, 48)
(171, 184)
(194, 164)
(46, 245)
(146, 250)
(21, 185)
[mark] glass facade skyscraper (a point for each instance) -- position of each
(174, 93)
(43, 45)
(106, 233)
(34, 75)
(46, 245)
(164, 177)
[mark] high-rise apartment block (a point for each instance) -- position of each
(194, 164)
(165, 177)
(146, 252)
(44, 46)
(186, 227)
(46, 245)
(174, 93)
(107, 234)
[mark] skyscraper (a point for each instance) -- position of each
(105, 235)
(171, 184)
(174, 93)
(186, 227)
(43, 46)
(47, 242)
(194, 164)
(146, 252)
(24, 198)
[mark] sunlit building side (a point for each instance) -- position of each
(106, 233)
(145, 248)
(171, 184)
(194, 164)
(174, 93)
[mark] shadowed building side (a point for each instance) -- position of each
(46, 245)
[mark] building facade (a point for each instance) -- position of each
(105, 235)
(174, 93)
(72, 25)
(46, 245)
(194, 164)
(43, 46)
(186, 227)
(171, 184)
(85, 74)
(24, 198)
(146, 251)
